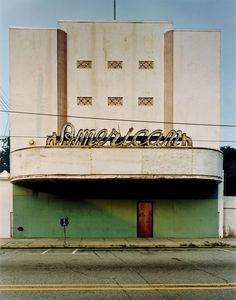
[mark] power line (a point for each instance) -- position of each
(4, 98)
(3, 103)
(44, 137)
(6, 126)
(117, 119)
(3, 92)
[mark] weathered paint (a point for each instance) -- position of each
(39, 214)
(145, 219)
(186, 218)
(114, 213)
(5, 205)
(110, 162)
(129, 42)
(230, 216)
(184, 82)
(196, 84)
(33, 85)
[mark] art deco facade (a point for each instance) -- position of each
(111, 130)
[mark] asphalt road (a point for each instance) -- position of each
(73, 274)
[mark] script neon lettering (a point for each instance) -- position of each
(92, 138)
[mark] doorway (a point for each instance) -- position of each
(145, 219)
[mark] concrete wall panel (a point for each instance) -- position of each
(196, 82)
(128, 42)
(72, 162)
(33, 85)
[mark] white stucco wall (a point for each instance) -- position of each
(197, 84)
(128, 42)
(230, 216)
(5, 205)
(33, 78)
(33, 85)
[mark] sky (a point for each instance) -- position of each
(185, 14)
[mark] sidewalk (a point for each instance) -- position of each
(126, 243)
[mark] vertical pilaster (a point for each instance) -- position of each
(168, 81)
(61, 78)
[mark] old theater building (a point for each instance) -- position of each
(110, 129)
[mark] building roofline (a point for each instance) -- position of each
(115, 21)
(197, 30)
(31, 28)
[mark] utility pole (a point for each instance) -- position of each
(114, 9)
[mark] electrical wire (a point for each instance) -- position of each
(3, 103)
(44, 137)
(118, 119)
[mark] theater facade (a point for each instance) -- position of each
(112, 128)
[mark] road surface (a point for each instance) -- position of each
(131, 274)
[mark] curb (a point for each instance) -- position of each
(121, 247)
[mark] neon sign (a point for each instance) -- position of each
(93, 138)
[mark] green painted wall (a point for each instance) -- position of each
(39, 214)
(186, 218)
(192, 213)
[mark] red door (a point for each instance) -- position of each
(145, 219)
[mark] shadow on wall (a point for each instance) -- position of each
(127, 189)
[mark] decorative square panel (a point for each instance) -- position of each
(114, 64)
(145, 101)
(116, 101)
(146, 64)
(84, 100)
(84, 64)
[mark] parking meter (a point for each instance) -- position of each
(64, 223)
